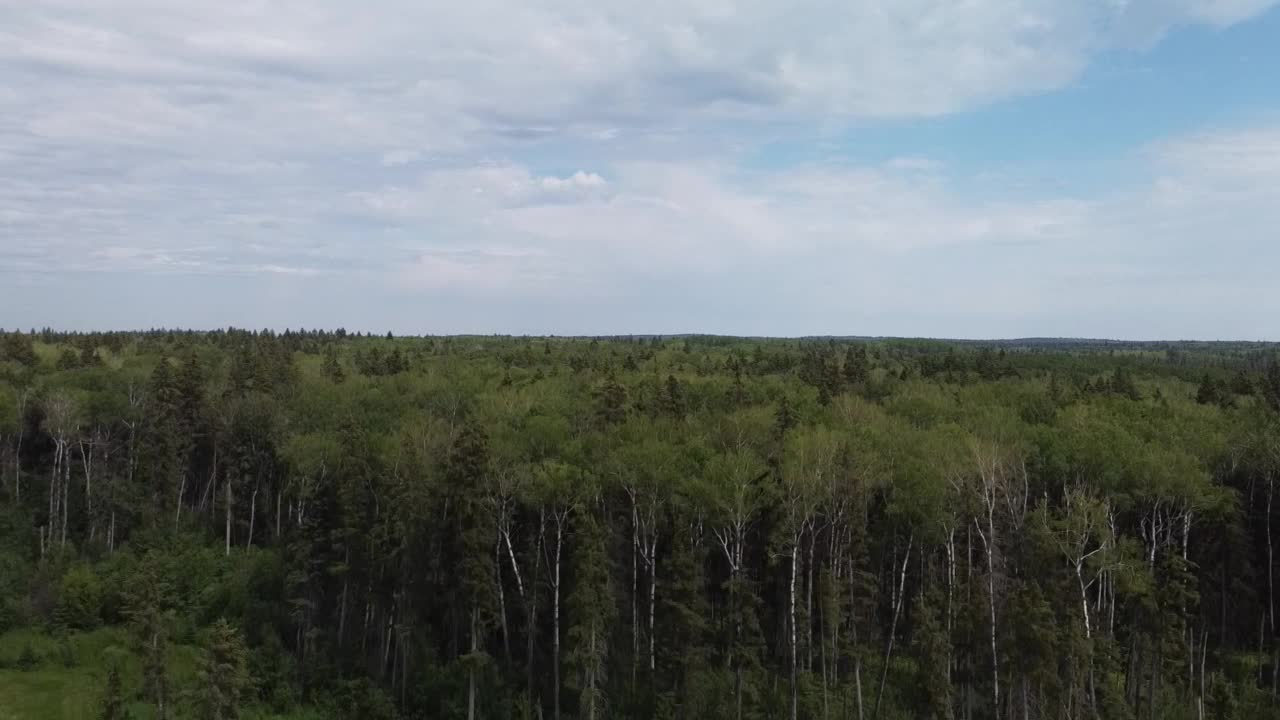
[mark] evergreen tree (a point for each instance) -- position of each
(1271, 386)
(332, 369)
(591, 608)
(932, 649)
(149, 612)
(672, 400)
(1122, 384)
(20, 349)
(112, 706)
(89, 356)
(1241, 384)
(466, 472)
(784, 418)
(611, 402)
(1209, 392)
(1221, 702)
(68, 359)
(223, 674)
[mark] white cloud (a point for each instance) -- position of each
(553, 148)
(407, 76)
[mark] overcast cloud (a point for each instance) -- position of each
(606, 167)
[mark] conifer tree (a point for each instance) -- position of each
(592, 611)
(112, 705)
(611, 402)
(1271, 386)
(673, 401)
(332, 368)
(223, 674)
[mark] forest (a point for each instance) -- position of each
(323, 524)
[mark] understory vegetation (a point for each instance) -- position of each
(314, 524)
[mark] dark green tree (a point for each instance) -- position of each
(1271, 386)
(223, 674)
(611, 402)
(112, 705)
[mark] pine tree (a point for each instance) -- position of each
(1241, 384)
(1122, 384)
(466, 471)
(1271, 386)
(223, 674)
(739, 388)
(592, 609)
(113, 701)
(933, 652)
(332, 369)
(243, 370)
(20, 349)
(149, 602)
(784, 418)
(1208, 393)
(611, 402)
(68, 360)
(672, 400)
(1221, 702)
(89, 356)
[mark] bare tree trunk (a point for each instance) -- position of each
(893, 626)
(822, 636)
(86, 462)
(853, 637)
(253, 513)
(988, 539)
(502, 597)
(808, 606)
(66, 492)
(227, 487)
(1271, 585)
(555, 618)
(591, 677)
(471, 671)
(17, 451)
(653, 593)
(342, 602)
(182, 489)
(635, 588)
(791, 600)
(53, 490)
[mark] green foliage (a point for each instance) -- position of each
(28, 660)
(79, 599)
(401, 527)
(113, 701)
(223, 674)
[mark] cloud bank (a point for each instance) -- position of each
(586, 162)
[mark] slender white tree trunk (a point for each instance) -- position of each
(227, 487)
(555, 617)
(253, 513)
(791, 611)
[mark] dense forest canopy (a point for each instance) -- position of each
(325, 524)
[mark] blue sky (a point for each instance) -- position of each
(993, 168)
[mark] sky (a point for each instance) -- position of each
(938, 168)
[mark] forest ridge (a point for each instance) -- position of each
(312, 524)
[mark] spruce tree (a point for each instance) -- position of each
(223, 674)
(611, 402)
(113, 702)
(673, 401)
(592, 611)
(332, 369)
(1271, 386)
